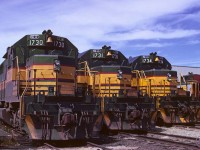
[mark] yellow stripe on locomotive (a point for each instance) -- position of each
(45, 78)
(154, 85)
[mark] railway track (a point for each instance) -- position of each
(48, 146)
(197, 127)
(97, 146)
(176, 139)
(162, 139)
(18, 140)
(168, 139)
(188, 127)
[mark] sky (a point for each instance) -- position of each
(135, 27)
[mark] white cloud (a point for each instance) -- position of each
(188, 17)
(153, 45)
(193, 42)
(89, 21)
(149, 34)
(129, 20)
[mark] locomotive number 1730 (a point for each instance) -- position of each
(36, 42)
(60, 44)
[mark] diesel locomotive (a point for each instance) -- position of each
(153, 76)
(52, 92)
(38, 89)
(105, 74)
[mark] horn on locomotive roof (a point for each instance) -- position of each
(106, 47)
(153, 53)
(49, 32)
(44, 32)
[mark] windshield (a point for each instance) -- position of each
(35, 51)
(154, 66)
(112, 62)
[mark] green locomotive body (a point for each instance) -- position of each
(50, 92)
(38, 89)
(105, 74)
(154, 77)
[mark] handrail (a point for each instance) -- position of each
(17, 60)
(181, 76)
(137, 72)
(21, 101)
(86, 67)
(140, 73)
(18, 74)
(25, 89)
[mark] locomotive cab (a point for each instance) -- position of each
(103, 73)
(38, 89)
(153, 75)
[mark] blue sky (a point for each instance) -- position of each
(136, 27)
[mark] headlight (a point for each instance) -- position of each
(119, 75)
(57, 62)
(57, 67)
(169, 76)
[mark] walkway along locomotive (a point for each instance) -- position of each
(154, 77)
(38, 89)
(106, 75)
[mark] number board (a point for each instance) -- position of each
(40, 40)
(59, 42)
(147, 59)
(114, 54)
(96, 53)
(36, 40)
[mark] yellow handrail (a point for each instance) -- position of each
(86, 68)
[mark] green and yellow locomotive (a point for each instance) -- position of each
(190, 83)
(100, 73)
(52, 93)
(106, 75)
(38, 89)
(153, 76)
